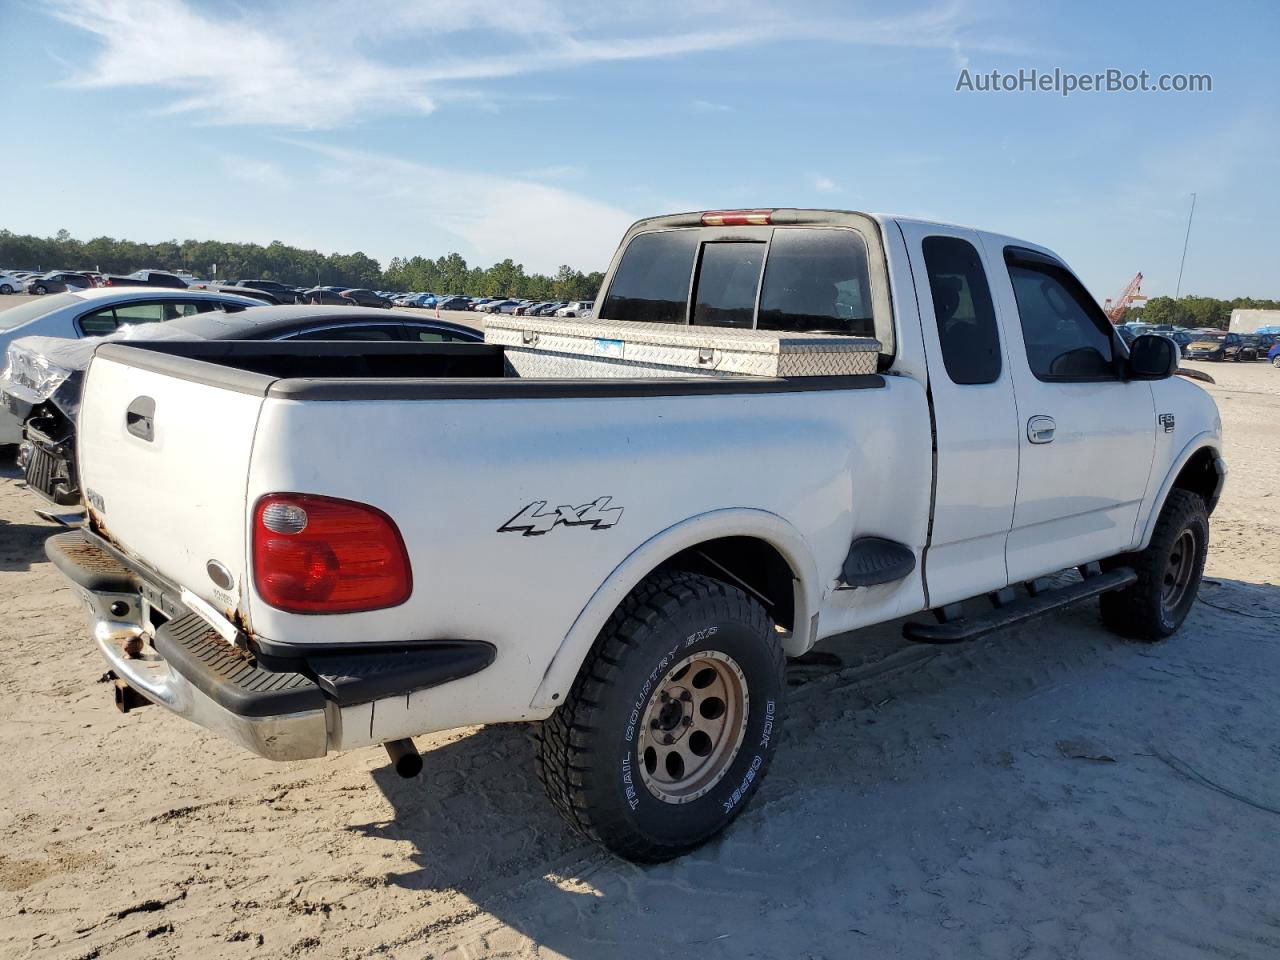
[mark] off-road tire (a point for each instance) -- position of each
(588, 751)
(1143, 611)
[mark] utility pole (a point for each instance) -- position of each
(1186, 240)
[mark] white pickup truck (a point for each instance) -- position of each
(322, 546)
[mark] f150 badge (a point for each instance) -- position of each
(1168, 421)
(534, 522)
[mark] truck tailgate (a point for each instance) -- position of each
(164, 464)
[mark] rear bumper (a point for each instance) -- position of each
(281, 708)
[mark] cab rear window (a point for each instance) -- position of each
(651, 284)
(813, 279)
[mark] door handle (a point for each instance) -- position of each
(1041, 429)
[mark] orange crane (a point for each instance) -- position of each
(1132, 294)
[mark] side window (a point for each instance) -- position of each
(99, 323)
(962, 306)
(1065, 340)
(185, 308)
(816, 280)
(431, 335)
(131, 313)
(651, 284)
(370, 332)
(728, 277)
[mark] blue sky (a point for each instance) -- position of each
(539, 130)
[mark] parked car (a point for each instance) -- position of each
(1251, 347)
(454, 303)
(576, 308)
(331, 296)
(1215, 346)
(11, 283)
(1274, 355)
(1266, 341)
(252, 292)
(44, 376)
(57, 281)
(334, 561)
(364, 298)
(496, 306)
(98, 311)
(282, 292)
(145, 278)
(420, 300)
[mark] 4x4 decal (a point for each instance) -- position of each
(597, 515)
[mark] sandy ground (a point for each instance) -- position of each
(1048, 791)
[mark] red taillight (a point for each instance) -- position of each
(316, 554)
(738, 218)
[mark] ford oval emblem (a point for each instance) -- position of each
(220, 575)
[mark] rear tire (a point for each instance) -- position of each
(6, 289)
(1169, 573)
(672, 720)
(42, 290)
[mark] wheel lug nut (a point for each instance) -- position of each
(686, 696)
(688, 721)
(654, 724)
(668, 738)
(664, 696)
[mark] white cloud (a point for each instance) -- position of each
(709, 106)
(307, 66)
(486, 217)
(824, 184)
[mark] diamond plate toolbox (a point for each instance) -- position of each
(554, 347)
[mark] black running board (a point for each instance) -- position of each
(1021, 609)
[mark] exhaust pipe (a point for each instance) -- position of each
(404, 757)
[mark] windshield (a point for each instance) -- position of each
(34, 309)
(1212, 336)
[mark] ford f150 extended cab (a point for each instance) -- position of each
(319, 546)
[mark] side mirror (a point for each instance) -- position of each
(1152, 357)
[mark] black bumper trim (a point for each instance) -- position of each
(252, 685)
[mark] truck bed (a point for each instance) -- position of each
(322, 370)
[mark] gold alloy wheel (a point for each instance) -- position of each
(692, 727)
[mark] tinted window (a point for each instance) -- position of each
(143, 312)
(1064, 340)
(98, 323)
(728, 278)
(651, 284)
(816, 279)
(372, 332)
(436, 335)
(962, 307)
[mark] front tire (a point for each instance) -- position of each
(672, 720)
(6, 289)
(1169, 573)
(42, 290)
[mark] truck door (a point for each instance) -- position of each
(1086, 436)
(975, 418)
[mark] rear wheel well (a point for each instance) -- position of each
(753, 564)
(1199, 475)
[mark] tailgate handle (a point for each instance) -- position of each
(139, 419)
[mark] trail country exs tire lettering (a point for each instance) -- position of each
(672, 721)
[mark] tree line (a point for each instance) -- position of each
(218, 260)
(1193, 311)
